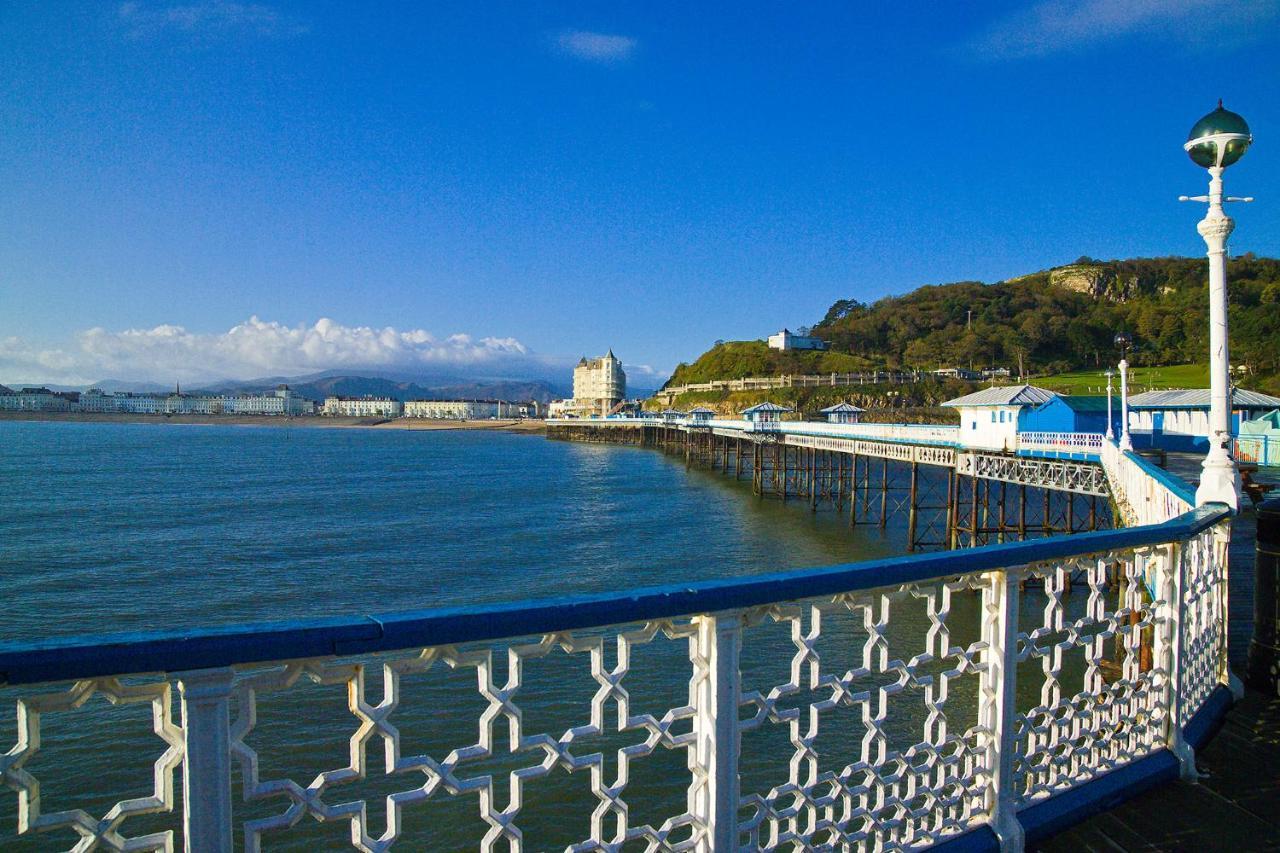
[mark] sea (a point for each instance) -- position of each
(108, 527)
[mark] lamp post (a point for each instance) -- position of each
(1215, 142)
(1110, 432)
(1123, 342)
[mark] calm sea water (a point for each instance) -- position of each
(108, 527)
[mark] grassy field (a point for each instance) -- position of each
(1140, 379)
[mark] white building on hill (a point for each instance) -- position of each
(786, 340)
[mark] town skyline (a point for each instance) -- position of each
(247, 190)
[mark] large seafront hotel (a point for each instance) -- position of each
(599, 385)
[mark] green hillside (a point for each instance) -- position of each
(736, 359)
(1057, 321)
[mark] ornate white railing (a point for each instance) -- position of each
(943, 434)
(909, 433)
(1145, 493)
(925, 697)
(610, 421)
(1061, 442)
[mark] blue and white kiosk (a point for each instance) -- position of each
(765, 413)
(842, 413)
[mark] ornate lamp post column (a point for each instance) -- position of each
(1123, 342)
(1215, 142)
(1110, 431)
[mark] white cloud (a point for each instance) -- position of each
(258, 348)
(209, 18)
(596, 47)
(1054, 26)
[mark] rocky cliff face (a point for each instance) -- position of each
(1096, 280)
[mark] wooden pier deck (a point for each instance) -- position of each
(1236, 806)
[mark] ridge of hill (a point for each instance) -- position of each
(1052, 321)
(317, 388)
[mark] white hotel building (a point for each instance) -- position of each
(363, 407)
(282, 401)
(599, 384)
(463, 409)
(35, 400)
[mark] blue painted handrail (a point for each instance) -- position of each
(200, 648)
(1170, 482)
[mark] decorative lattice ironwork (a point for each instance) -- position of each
(1203, 612)
(1115, 708)
(107, 832)
(1085, 478)
(449, 775)
(890, 796)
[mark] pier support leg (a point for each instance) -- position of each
(953, 480)
(853, 491)
(757, 481)
(884, 493)
(1022, 513)
(1003, 495)
(815, 474)
(912, 506)
(973, 512)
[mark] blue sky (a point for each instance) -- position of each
(209, 189)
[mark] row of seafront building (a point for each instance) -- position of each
(387, 407)
(281, 401)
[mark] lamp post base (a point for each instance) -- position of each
(1219, 483)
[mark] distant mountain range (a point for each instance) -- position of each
(317, 386)
(320, 385)
(344, 385)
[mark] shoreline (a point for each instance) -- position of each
(529, 425)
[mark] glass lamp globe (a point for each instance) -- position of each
(1218, 139)
(1123, 341)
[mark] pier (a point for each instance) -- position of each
(988, 692)
(950, 496)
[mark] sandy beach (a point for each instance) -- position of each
(306, 422)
